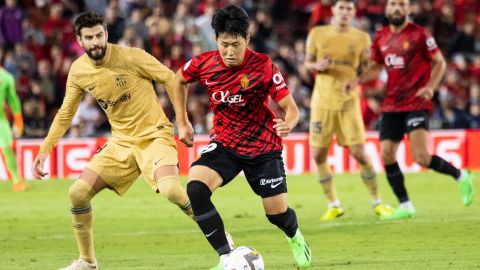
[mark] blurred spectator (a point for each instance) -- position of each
(87, 119)
(33, 120)
(57, 29)
(11, 31)
(130, 38)
(447, 116)
(115, 23)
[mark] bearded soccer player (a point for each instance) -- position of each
(142, 142)
(9, 94)
(415, 67)
(245, 136)
(337, 53)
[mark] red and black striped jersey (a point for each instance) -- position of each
(242, 120)
(406, 56)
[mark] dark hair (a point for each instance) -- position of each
(88, 19)
(232, 20)
(334, 2)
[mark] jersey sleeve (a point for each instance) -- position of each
(12, 97)
(63, 119)
(311, 47)
(429, 45)
(191, 69)
(277, 87)
(376, 54)
(149, 67)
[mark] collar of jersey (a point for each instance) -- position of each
(107, 56)
(247, 55)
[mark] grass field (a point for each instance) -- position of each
(143, 231)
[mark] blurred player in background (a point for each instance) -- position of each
(415, 67)
(142, 142)
(245, 136)
(9, 94)
(337, 53)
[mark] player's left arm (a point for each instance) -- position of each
(284, 127)
(149, 67)
(438, 66)
(15, 106)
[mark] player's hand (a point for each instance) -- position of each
(283, 128)
(349, 86)
(37, 166)
(425, 92)
(17, 126)
(185, 134)
(322, 64)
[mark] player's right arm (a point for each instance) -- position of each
(61, 123)
(313, 64)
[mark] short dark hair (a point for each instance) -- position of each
(232, 20)
(334, 2)
(88, 19)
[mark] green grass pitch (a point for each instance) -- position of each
(144, 231)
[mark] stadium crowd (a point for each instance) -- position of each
(38, 47)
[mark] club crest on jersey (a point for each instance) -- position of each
(120, 81)
(406, 45)
(244, 82)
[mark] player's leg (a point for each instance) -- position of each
(266, 177)
(392, 130)
(215, 167)
(6, 142)
(369, 178)
(81, 194)
(322, 124)
(351, 133)
(169, 186)
(113, 166)
(158, 161)
(421, 155)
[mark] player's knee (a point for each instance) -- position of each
(358, 156)
(388, 156)
(171, 189)
(422, 158)
(80, 193)
(319, 156)
(197, 190)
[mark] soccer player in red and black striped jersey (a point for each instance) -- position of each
(246, 135)
(415, 67)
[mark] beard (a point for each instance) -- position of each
(396, 21)
(98, 55)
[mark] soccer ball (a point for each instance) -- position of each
(243, 258)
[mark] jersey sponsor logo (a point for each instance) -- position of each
(225, 97)
(431, 44)
(395, 61)
(244, 82)
(273, 182)
(279, 81)
(187, 65)
(112, 103)
(413, 122)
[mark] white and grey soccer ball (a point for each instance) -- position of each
(243, 258)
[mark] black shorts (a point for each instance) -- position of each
(265, 173)
(394, 125)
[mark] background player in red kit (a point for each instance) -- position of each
(245, 135)
(415, 67)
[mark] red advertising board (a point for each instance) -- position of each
(70, 156)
